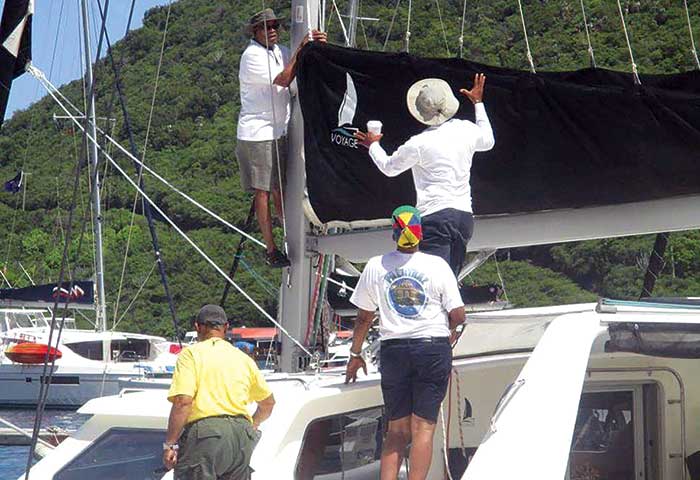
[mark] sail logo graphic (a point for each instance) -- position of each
(64, 294)
(344, 134)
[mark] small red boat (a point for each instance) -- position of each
(31, 353)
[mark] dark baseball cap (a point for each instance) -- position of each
(211, 315)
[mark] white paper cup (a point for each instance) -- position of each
(374, 126)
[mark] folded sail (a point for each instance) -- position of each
(15, 45)
(563, 140)
(70, 295)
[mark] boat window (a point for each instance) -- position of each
(91, 350)
(119, 453)
(603, 444)
(130, 350)
(22, 320)
(342, 447)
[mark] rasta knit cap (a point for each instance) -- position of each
(406, 224)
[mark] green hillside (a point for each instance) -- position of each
(192, 142)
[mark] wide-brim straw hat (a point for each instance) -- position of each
(267, 15)
(431, 101)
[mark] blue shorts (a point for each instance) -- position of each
(415, 373)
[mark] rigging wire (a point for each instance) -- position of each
(408, 26)
(461, 35)
(42, 78)
(364, 33)
(45, 385)
(588, 36)
(692, 38)
(391, 25)
(136, 296)
(183, 194)
(442, 25)
(274, 127)
(500, 278)
(635, 74)
(52, 89)
(342, 24)
(132, 144)
(46, 379)
(143, 159)
(527, 41)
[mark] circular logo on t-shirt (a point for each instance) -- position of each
(407, 296)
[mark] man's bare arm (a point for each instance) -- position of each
(359, 333)
(263, 411)
(182, 406)
(456, 317)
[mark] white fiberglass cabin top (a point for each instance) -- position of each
(542, 393)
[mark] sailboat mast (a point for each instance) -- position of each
(101, 320)
(296, 283)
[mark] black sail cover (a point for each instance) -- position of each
(15, 45)
(563, 140)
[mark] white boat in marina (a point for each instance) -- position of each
(81, 373)
(614, 406)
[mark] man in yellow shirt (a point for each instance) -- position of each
(211, 434)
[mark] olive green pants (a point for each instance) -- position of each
(216, 448)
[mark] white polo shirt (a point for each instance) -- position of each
(414, 293)
(441, 160)
(256, 121)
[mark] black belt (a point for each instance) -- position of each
(413, 341)
(189, 425)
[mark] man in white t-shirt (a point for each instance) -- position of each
(440, 159)
(266, 71)
(420, 308)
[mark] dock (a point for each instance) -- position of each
(10, 437)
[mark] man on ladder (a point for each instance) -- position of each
(266, 71)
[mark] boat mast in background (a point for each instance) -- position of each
(101, 320)
(296, 287)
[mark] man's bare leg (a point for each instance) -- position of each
(422, 432)
(277, 201)
(262, 212)
(397, 438)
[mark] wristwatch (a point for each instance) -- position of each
(170, 446)
(355, 355)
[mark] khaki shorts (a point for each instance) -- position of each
(216, 448)
(257, 162)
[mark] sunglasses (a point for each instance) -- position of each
(270, 26)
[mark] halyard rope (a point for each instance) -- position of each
(527, 41)
(629, 45)
(588, 36)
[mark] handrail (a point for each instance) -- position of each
(22, 431)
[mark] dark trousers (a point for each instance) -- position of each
(216, 448)
(446, 234)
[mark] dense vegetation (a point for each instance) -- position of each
(191, 141)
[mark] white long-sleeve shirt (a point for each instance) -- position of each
(441, 159)
(256, 121)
